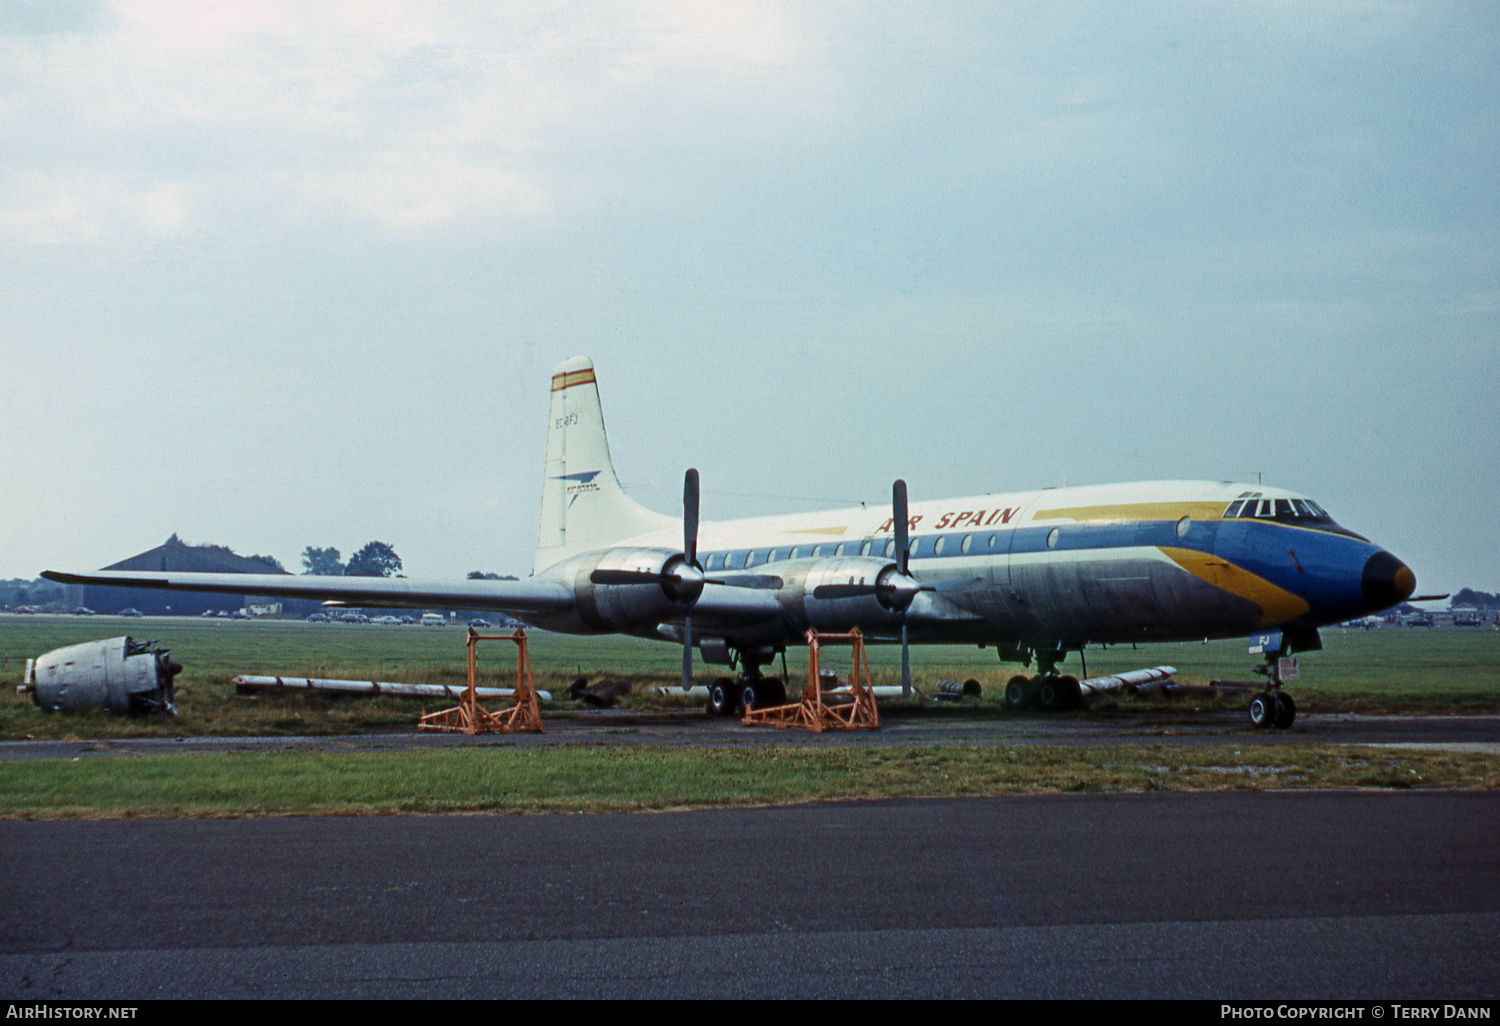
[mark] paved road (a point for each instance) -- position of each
(1272, 896)
(933, 726)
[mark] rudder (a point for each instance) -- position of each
(583, 505)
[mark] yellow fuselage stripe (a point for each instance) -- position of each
(1277, 605)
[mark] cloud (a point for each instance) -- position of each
(407, 116)
(84, 206)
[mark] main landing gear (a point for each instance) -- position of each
(727, 696)
(749, 689)
(1048, 690)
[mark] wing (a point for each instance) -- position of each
(519, 597)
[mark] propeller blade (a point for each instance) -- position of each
(625, 577)
(905, 661)
(687, 651)
(898, 513)
(690, 516)
(842, 591)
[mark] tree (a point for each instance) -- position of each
(322, 562)
(1477, 599)
(480, 575)
(376, 559)
(270, 561)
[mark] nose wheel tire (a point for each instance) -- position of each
(1262, 710)
(1269, 709)
(1284, 711)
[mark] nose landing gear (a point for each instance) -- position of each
(1273, 707)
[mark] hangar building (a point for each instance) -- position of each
(174, 554)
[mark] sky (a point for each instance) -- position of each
(279, 275)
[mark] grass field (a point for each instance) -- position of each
(573, 779)
(1433, 671)
(1381, 671)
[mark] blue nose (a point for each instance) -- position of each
(1386, 581)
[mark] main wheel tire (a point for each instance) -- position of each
(1018, 693)
(1262, 710)
(1284, 711)
(722, 696)
(1048, 694)
(753, 694)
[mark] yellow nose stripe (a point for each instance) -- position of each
(1277, 605)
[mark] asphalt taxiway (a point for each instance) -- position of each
(1235, 895)
(1267, 896)
(940, 726)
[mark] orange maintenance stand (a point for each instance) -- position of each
(820, 709)
(469, 717)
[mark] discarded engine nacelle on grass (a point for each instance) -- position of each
(120, 675)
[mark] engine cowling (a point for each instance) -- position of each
(120, 675)
(630, 589)
(850, 591)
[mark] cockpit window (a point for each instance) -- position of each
(1285, 511)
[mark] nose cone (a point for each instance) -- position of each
(1386, 581)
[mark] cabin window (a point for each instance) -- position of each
(890, 548)
(864, 550)
(990, 545)
(964, 545)
(796, 552)
(840, 550)
(817, 551)
(1052, 537)
(939, 545)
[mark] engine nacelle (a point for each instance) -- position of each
(845, 592)
(120, 675)
(617, 606)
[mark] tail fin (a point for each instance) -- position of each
(583, 505)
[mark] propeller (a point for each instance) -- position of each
(690, 556)
(896, 588)
(682, 577)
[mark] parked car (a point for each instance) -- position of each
(129, 611)
(476, 622)
(387, 619)
(319, 618)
